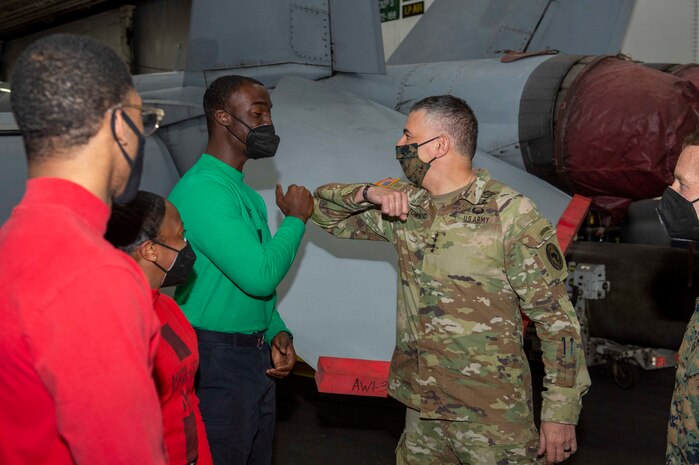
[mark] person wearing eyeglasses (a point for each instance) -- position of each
(150, 231)
(78, 333)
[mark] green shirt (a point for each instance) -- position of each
(232, 287)
(468, 262)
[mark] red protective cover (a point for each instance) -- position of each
(352, 376)
(620, 129)
(688, 72)
(570, 221)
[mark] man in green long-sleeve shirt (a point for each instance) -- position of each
(231, 297)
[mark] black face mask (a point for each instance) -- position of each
(131, 188)
(181, 266)
(261, 141)
(678, 216)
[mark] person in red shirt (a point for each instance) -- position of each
(78, 333)
(150, 230)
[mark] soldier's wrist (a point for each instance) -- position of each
(365, 193)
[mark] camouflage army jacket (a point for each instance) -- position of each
(683, 431)
(467, 262)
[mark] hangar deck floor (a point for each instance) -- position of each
(617, 426)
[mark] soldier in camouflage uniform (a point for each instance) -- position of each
(471, 253)
(680, 218)
(682, 431)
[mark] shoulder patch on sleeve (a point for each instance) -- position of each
(540, 238)
(386, 182)
(554, 256)
(537, 232)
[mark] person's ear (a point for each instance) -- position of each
(443, 145)
(222, 117)
(119, 125)
(147, 251)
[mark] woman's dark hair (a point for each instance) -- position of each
(136, 222)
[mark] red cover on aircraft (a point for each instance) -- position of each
(620, 129)
(352, 376)
(689, 72)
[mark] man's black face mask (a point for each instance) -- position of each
(261, 141)
(678, 216)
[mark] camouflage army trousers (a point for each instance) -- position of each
(683, 427)
(433, 442)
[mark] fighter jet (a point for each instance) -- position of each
(563, 119)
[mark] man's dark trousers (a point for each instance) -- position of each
(237, 399)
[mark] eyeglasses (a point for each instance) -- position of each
(150, 116)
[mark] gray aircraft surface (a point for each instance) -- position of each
(561, 116)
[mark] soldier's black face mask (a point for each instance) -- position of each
(678, 216)
(181, 265)
(414, 168)
(261, 141)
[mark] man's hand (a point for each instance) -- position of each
(296, 202)
(393, 203)
(557, 441)
(283, 355)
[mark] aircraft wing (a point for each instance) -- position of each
(456, 30)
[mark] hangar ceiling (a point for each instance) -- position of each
(23, 17)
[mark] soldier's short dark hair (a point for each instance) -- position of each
(62, 85)
(219, 91)
(692, 139)
(136, 222)
(455, 117)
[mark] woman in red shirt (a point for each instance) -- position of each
(150, 230)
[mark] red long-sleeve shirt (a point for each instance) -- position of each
(77, 337)
(176, 364)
